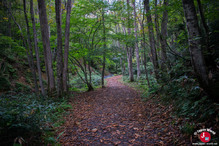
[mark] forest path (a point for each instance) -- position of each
(115, 115)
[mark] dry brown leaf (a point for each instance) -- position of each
(117, 142)
(132, 140)
(94, 130)
(135, 128)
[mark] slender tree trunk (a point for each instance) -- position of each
(59, 48)
(129, 49)
(136, 43)
(209, 55)
(145, 66)
(90, 72)
(50, 17)
(22, 36)
(151, 38)
(121, 59)
(121, 63)
(90, 87)
(66, 49)
(104, 48)
(163, 37)
(46, 46)
(203, 19)
(144, 47)
(9, 27)
(198, 62)
(84, 70)
(142, 58)
(36, 48)
(33, 69)
(119, 46)
(89, 82)
(157, 27)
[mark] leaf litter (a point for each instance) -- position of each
(116, 115)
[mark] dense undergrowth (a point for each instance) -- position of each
(30, 119)
(181, 90)
(27, 118)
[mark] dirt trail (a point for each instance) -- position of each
(115, 115)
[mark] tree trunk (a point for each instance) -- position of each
(66, 49)
(32, 66)
(129, 48)
(142, 57)
(59, 48)
(46, 46)
(122, 65)
(198, 62)
(90, 87)
(207, 47)
(104, 47)
(145, 66)
(36, 48)
(163, 37)
(203, 20)
(22, 36)
(9, 28)
(151, 39)
(144, 47)
(136, 43)
(157, 28)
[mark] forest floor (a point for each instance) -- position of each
(116, 115)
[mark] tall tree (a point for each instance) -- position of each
(129, 48)
(197, 59)
(25, 45)
(143, 42)
(36, 48)
(32, 66)
(59, 48)
(136, 41)
(157, 27)
(46, 46)
(203, 20)
(66, 49)
(104, 47)
(163, 36)
(151, 38)
(207, 47)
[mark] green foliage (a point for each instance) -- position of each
(141, 84)
(188, 128)
(184, 93)
(78, 85)
(28, 115)
(8, 47)
(20, 87)
(181, 89)
(4, 84)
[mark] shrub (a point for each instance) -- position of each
(4, 84)
(27, 116)
(20, 87)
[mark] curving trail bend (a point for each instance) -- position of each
(116, 115)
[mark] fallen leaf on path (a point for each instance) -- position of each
(94, 130)
(132, 140)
